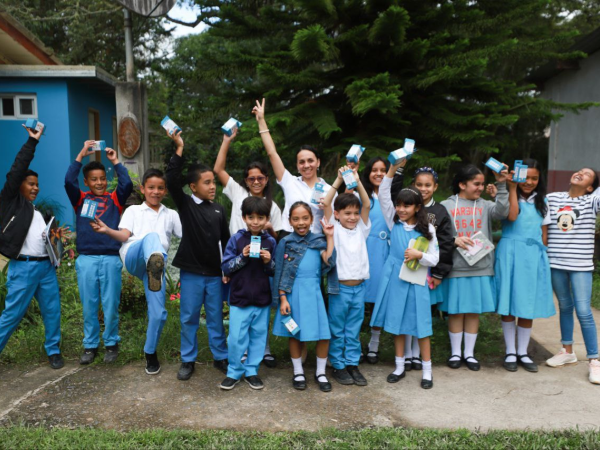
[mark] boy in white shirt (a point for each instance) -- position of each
(347, 309)
(146, 231)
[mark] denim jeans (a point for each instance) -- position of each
(574, 290)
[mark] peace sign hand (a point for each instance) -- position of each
(259, 110)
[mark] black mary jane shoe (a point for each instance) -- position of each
(529, 367)
(510, 366)
(472, 365)
(299, 384)
(454, 363)
(393, 378)
(427, 384)
(408, 365)
(417, 364)
(325, 386)
(372, 357)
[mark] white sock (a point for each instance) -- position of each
(321, 364)
(524, 334)
(408, 346)
(470, 339)
(374, 342)
(399, 365)
(456, 343)
(427, 375)
(509, 329)
(297, 362)
(416, 350)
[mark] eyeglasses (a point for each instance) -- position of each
(253, 180)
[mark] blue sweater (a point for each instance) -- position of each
(110, 208)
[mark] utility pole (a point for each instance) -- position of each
(128, 46)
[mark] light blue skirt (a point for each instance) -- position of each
(468, 295)
(378, 250)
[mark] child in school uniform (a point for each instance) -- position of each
(468, 290)
(250, 294)
(205, 234)
(145, 231)
(346, 310)
(300, 259)
(98, 265)
(30, 272)
(404, 308)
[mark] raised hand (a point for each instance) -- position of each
(327, 227)
(112, 156)
(176, 137)
(32, 133)
(259, 110)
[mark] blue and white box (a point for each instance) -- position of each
(88, 210)
(168, 124)
(349, 179)
(98, 146)
(355, 153)
(255, 247)
(318, 193)
(229, 126)
(495, 165)
(34, 124)
(405, 152)
(520, 175)
(291, 325)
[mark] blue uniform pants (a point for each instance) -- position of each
(198, 290)
(346, 314)
(135, 262)
(248, 329)
(99, 280)
(28, 279)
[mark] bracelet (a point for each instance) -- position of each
(282, 295)
(264, 131)
(399, 170)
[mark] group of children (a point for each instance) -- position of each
(363, 240)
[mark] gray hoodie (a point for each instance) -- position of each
(473, 216)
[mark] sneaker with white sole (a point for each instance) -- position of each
(562, 358)
(595, 371)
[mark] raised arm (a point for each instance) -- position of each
(364, 199)
(513, 199)
(124, 183)
(501, 207)
(263, 129)
(15, 176)
(328, 199)
(221, 161)
(385, 196)
(328, 232)
(174, 169)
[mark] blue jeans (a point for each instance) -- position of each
(248, 329)
(574, 290)
(136, 259)
(198, 290)
(27, 279)
(346, 315)
(99, 280)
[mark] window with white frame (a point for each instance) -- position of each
(18, 106)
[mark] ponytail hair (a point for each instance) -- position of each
(411, 196)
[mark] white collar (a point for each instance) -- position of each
(408, 227)
(431, 203)
(530, 199)
(146, 206)
(197, 200)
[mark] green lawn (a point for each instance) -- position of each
(596, 291)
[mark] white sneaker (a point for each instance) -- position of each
(595, 371)
(562, 358)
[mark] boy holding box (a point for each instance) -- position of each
(250, 295)
(98, 265)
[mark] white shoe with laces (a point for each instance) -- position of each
(562, 358)
(595, 371)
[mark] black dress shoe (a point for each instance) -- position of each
(269, 361)
(358, 377)
(417, 364)
(408, 365)
(112, 351)
(393, 378)
(186, 370)
(342, 376)
(472, 365)
(299, 381)
(372, 357)
(221, 364)
(325, 386)
(88, 356)
(528, 366)
(454, 363)
(427, 384)
(229, 383)
(56, 361)
(152, 363)
(510, 366)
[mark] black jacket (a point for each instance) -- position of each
(16, 212)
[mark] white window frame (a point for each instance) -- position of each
(17, 106)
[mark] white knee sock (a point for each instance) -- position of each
(456, 343)
(297, 362)
(399, 365)
(470, 339)
(524, 335)
(416, 350)
(408, 346)
(374, 342)
(509, 329)
(427, 375)
(321, 364)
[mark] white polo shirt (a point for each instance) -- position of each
(296, 190)
(237, 194)
(352, 259)
(141, 220)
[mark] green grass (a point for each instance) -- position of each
(596, 291)
(22, 437)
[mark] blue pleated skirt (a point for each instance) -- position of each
(468, 295)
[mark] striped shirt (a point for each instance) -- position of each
(571, 231)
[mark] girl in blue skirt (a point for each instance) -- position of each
(523, 282)
(403, 308)
(300, 259)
